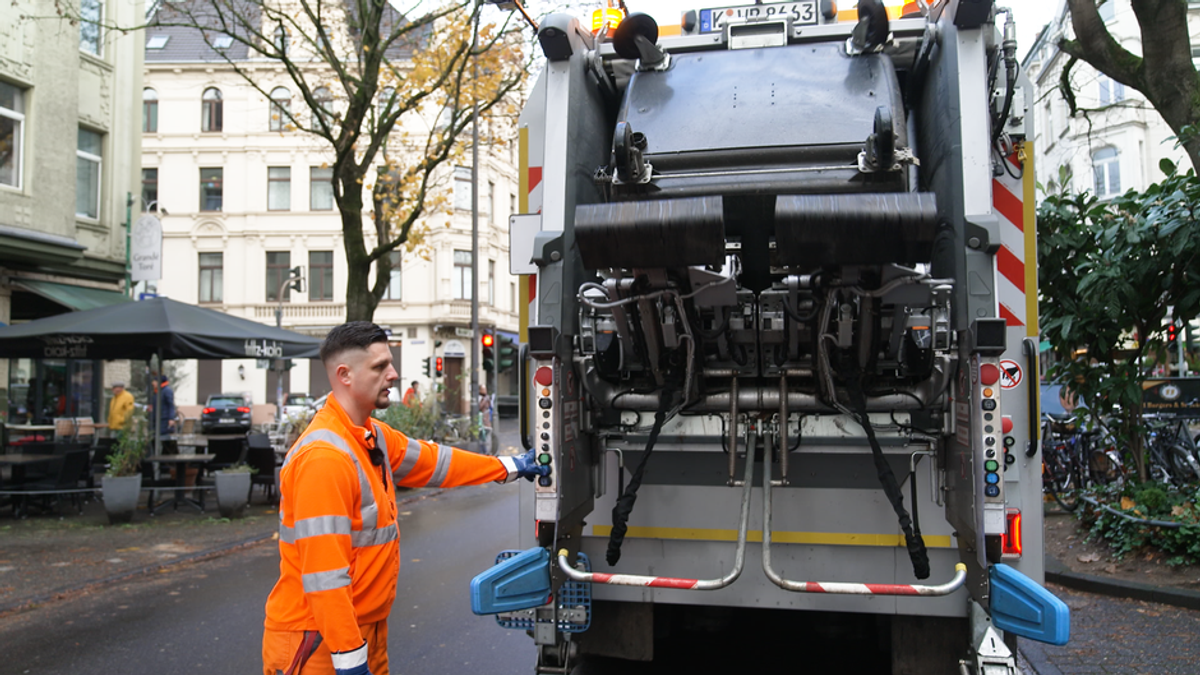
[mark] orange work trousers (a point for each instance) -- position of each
(280, 648)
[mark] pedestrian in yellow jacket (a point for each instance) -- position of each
(339, 543)
(119, 408)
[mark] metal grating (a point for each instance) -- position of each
(574, 604)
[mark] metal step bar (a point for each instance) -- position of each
(739, 559)
(841, 587)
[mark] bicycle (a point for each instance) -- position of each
(1073, 459)
(1172, 456)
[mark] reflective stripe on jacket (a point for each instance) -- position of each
(339, 543)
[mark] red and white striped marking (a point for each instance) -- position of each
(1009, 205)
(832, 587)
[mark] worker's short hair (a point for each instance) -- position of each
(351, 335)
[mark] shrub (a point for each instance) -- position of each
(130, 446)
(416, 421)
(1146, 502)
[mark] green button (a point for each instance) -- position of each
(544, 458)
(990, 465)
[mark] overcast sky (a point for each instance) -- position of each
(1030, 15)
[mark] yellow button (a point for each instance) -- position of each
(987, 391)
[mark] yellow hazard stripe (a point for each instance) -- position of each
(1028, 197)
(821, 538)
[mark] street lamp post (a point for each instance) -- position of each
(473, 395)
(296, 278)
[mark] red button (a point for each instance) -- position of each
(1006, 424)
(544, 376)
(989, 373)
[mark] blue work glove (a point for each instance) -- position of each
(352, 662)
(524, 466)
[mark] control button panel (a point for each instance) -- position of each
(544, 393)
(991, 444)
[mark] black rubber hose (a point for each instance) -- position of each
(915, 543)
(624, 505)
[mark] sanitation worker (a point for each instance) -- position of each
(339, 543)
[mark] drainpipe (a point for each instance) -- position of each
(128, 227)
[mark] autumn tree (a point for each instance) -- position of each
(390, 93)
(1163, 73)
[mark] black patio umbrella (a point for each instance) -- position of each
(160, 326)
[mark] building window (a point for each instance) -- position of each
(1111, 91)
(279, 269)
(91, 13)
(149, 111)
(1049, 122)
(393, 288)
(320, 189)
(487, 206)
(87, 174)
(12, 134)
(320, 275)
(211, 189)
(512, 296)
(281, 40)
(1106, 172)
(462, 188)
(150, 190)
(211, 110)
(279, 188)
(324, 99)
(492, 283)
(222, 41)
(462, 275)
(157, 41)
(212, 274)
(281, 102)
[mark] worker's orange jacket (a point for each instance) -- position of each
(339, 542)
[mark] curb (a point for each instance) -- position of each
(215, 552)
(1034, 655)
(1057, 572)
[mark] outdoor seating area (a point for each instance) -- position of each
(54, 469)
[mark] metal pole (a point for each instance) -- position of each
(473, 395)
(278, 365)
(128, 228)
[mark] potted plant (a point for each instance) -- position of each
(233, 490)
(122, 482)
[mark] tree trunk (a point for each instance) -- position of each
(360, 301)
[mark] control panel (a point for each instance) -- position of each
(545, 430)
(990, 436)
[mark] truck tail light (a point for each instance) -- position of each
(243, 409)
(1012, 534)
(208, 411)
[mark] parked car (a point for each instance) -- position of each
(297, 405)
(225, 413)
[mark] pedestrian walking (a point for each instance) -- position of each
(119, 408)
(412, 396)
(338, 537)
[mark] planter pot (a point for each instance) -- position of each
(233, 493)
(120, 495)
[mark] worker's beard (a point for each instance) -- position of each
(382, 402)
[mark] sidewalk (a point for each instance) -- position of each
(44, 558)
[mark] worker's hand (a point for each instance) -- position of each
(352, 662)
(524, 466)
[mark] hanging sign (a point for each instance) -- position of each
(145, 255)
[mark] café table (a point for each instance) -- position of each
(18, 462)
(182, 462)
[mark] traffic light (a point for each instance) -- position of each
(1172, 335)
(426, 368)
(297, 273)
(489, 362)
(438, 367)
(507, 355)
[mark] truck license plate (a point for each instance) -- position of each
(802, 13)
(226, 420)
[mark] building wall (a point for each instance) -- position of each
(1126, 123)
(63, 89)
(245, 229)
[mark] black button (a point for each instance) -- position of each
(988, 429)
(988, 416)
(989, 453)
(545, 481)
(545, 414)
(988, 404)
(990, 440)
(546, 447)
(545, 403)
(545, 436)
(546, 425)
(1009, 459)
(992, 491)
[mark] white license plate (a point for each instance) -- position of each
(227, 420)
(803, 13)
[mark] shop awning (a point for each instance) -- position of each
(72, 297)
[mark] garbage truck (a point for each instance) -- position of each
(779, 328)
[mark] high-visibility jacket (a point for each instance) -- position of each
(339, 544)
(118, 411)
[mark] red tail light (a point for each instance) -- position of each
(243, 410)
(208, 411)
(1012, 544)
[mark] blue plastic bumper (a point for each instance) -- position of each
(1021, 606)
(519, 582)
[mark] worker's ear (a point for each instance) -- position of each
(344, 373)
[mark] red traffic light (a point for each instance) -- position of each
(488, 340)
(438, 364)
(1172, 333)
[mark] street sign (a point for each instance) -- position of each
(464, 332)
(145, 254)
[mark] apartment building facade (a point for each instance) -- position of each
(245, 197)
